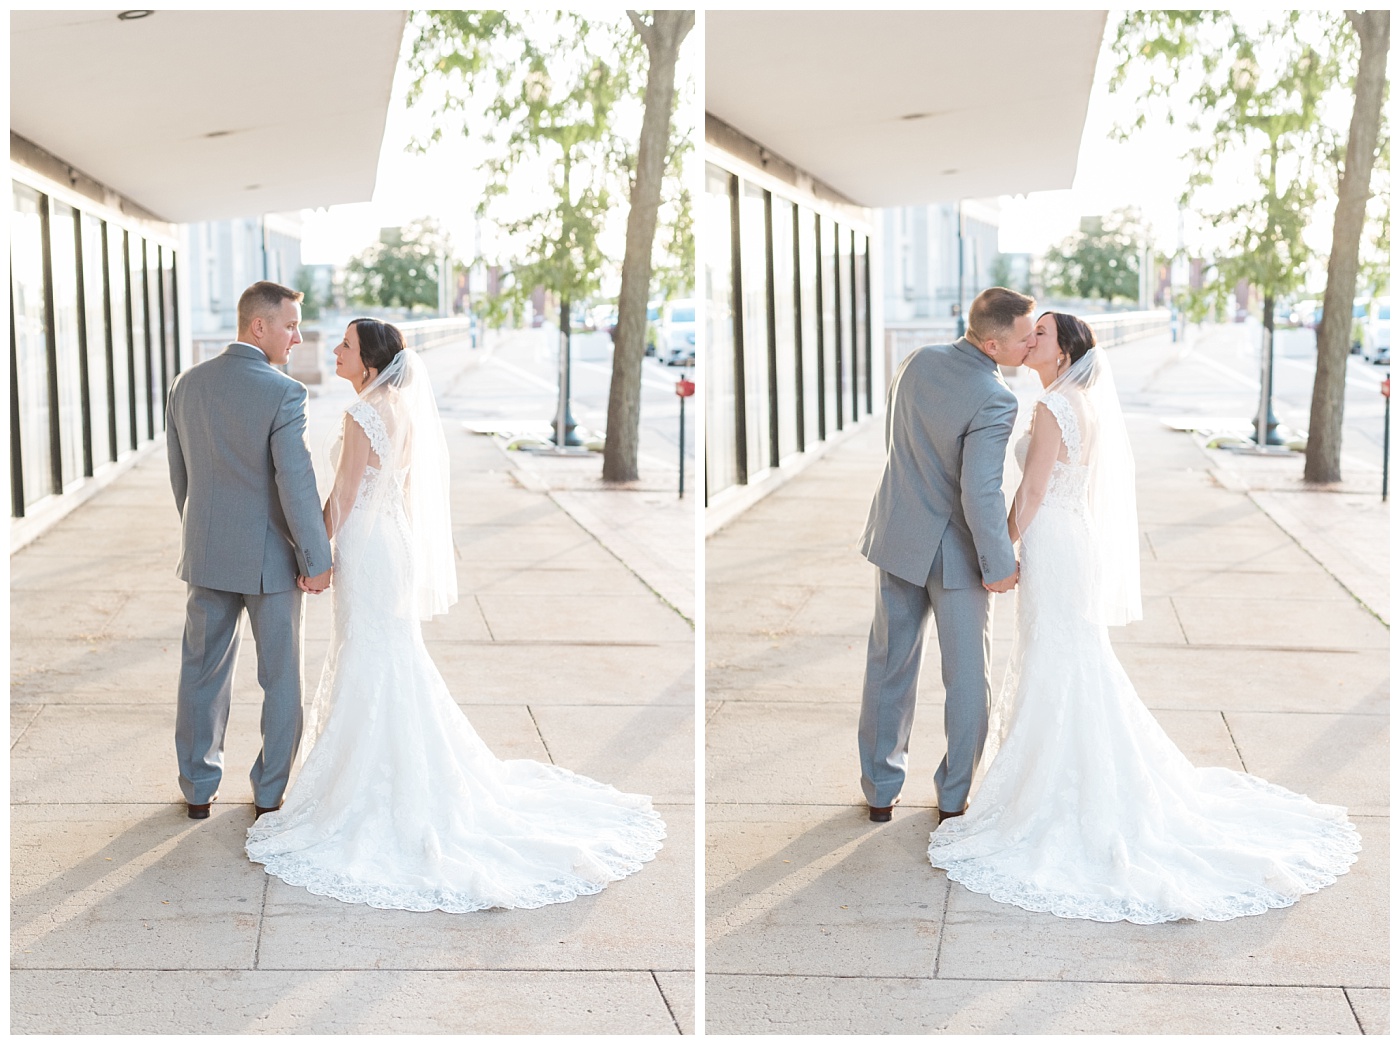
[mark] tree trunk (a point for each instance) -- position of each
(1324, 459)
(662, 37)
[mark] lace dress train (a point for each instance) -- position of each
(1088, 810)
(399, 803)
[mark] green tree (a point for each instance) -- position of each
(401, 270)
(551, 88)
(1254, 86)
(1365, 139)
(1100, 261)
(662, 37)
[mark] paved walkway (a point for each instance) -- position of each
(1251, 654)
(127, 917)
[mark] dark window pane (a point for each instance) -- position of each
(93, 274)
(31, 350)
(118, 274)
(64, 257)
(721, 466)
(754, 287)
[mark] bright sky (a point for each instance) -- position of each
(1146, 172)
(444, 183)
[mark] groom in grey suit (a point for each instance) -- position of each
(937, 531)
(250, 527)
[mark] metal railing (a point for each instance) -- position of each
(1110, 328)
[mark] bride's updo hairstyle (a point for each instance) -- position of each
(1072, 334)
(379, 342)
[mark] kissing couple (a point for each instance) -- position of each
(398, 803)
(1086, 808)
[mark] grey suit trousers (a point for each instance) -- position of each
(893, 658)
(209, 655)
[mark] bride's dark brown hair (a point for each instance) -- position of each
(1072, 334)
(380, 342)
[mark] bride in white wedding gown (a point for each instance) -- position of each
(399, 803)
(1087, 809)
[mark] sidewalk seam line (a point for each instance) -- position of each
(476, 598)
(1236, 743)
(1048, 979)
(539, 733)
(1185, 639)
(1249, 495)
(667, 1002)
(28, 724)
(625, 564)
(262, 917)
(1350, 1005)
(942, 927)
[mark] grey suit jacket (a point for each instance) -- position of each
(241, 471)
(947, 422)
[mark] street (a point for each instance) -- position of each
(1232, 352)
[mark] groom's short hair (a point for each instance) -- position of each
(263, 298)
(995, 311)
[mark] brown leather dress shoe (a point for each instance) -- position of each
(198, 812)
(260, 810)
(882, 814)
(942, 815)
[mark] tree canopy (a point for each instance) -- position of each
(401, 270)
(1101, 261)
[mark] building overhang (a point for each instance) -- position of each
(202, 115)
(905, 107)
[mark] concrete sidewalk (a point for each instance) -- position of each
(1251, 655)
(129, 918)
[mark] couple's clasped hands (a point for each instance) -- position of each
(314, 585)
(1004, 585)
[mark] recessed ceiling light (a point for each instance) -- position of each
(950, 170)
(131, 16)
(218, 134)
(250, 188)
(916, 116)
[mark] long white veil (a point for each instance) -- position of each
(1114, 596)
(415, 454)
(1108, 455)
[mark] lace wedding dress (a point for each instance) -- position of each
(1088, 810)
(399, 803)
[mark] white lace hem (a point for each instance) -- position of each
(642, 834)
(1332, 854)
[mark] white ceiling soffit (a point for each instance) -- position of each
(904, 107)
(199, 115)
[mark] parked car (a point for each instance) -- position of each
(677, 333)
(1358, 326)
(653, 319)
(1375, 336)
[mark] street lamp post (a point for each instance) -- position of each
(685, 388)
(564, 424)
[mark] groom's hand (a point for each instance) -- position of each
(1004, 585)
(315, 585)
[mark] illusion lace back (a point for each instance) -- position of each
(1087, 809)
(399, 803)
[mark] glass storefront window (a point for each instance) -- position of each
(831, 329)
(860, 258)
(807, 279)
(29, 345)
(98, 372)
(140, 341)
(753, 284)
(150, 274)
(119, 315)
(785, 327)
(721, 467)
(63, 248)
